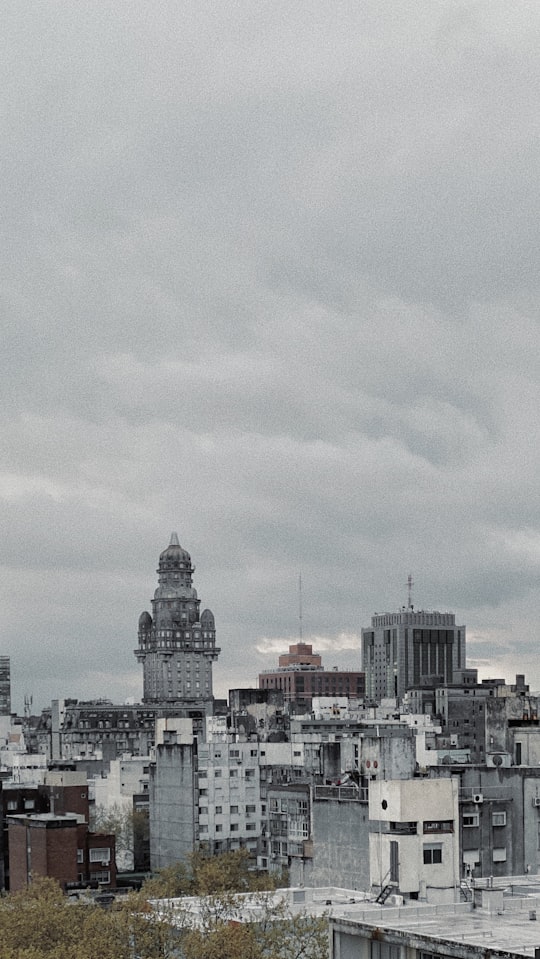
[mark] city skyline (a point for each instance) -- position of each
(270, 281)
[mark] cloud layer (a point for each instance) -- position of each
(270, 280)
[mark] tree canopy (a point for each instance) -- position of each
(41, 923)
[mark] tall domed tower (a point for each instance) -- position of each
(177, 646)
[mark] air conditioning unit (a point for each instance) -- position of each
(478, 798)
(536, 800)
(395, 900)
(498, 759)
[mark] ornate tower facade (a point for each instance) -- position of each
(177, 646)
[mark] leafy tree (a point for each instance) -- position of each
(116, 819)
(206, 875)
(226, 941)
(40, 923)
(169, 883)
(226, 886)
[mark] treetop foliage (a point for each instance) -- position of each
(41, 923)
(206, 875)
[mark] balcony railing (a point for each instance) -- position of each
(341, 793)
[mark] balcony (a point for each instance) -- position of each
(341, 793)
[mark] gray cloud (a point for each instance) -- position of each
(270, 280)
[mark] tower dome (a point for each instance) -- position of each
(174, 555)
(145, 620)
(207, 619)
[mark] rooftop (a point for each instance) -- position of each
(503, 919)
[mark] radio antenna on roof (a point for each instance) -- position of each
(409, 584)
(300, 604)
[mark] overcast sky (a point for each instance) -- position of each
(270, 279)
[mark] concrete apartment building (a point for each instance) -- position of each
(414, 838)
(210, 794)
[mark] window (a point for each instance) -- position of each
(498, 819)
(100, 854)
(233, 773)
(12, 804)
(219, 810)
(219, 828)
(234, 810)
(80, 855)
(29, 803)
(471, 819)
(432, 855)
(250, 809)
(250, 774)
(234, 827)
(102, 876)
(298, 829)
(217, 773)
(439, 825)
(471, 859)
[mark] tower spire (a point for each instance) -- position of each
(300, 606)
(174, 540)
(409, 584)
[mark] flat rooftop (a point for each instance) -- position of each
(505, 919)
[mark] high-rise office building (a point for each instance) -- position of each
(411, 648)
(5, 686)
(177, 646)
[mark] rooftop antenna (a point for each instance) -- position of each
(300, 604)
(409, 584)
(28, 700)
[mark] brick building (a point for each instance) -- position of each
(60, 847)
(300, 676)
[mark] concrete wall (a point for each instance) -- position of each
(340, 844)
(172, 804)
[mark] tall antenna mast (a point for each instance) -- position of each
(409, 585)
(300, 604)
